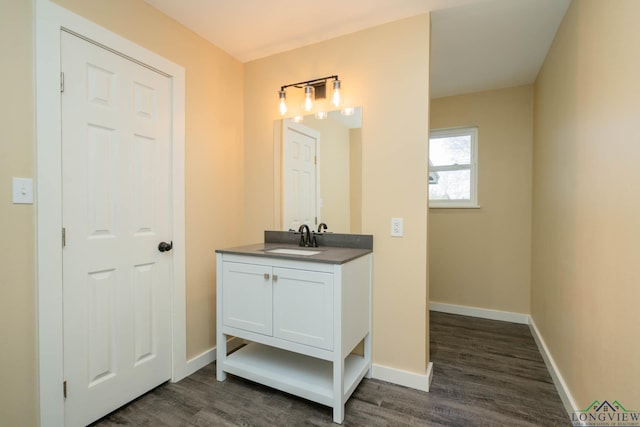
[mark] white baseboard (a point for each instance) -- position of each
(209, 356)
(484, 313)
(200, 361)
(561, 386)
(403, 378)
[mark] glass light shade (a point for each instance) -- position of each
(283, 102)
(335, 100)
(308, 98)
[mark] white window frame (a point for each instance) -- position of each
(472, 203)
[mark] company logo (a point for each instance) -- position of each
(603, 414)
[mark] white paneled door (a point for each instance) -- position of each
(116, 162)
(300, 189)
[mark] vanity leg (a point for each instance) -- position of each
(367, 354)
(338, 390)
(221, 356)
(221, 344)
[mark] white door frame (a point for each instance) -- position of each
(50, 19)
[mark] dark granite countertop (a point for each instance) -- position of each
(333, 248)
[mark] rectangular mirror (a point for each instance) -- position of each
(318, 171)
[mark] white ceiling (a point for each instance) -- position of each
(491, 44)
(476, 44)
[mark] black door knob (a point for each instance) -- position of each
(165, 247)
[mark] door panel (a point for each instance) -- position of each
(116, 167)
(145, 342)
(102, 173)
(101, 290)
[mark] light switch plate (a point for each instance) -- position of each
(397, 226)
(22, 190)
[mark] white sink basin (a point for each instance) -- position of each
(287, 251)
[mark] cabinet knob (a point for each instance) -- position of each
(275, 277)
(266, 276)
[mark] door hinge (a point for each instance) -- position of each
(61, 82)
(64, 237)
(64, 389)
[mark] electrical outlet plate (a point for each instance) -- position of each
(397, 227)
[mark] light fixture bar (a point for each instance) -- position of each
(309, 82)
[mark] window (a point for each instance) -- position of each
(453, 176)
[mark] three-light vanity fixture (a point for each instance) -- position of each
(313, 89)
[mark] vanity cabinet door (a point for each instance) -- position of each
(303, 307)
(246, 297)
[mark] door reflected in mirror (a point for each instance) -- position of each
(318, 164)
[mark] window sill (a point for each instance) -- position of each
(431, 206)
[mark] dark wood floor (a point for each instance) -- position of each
(486, 373)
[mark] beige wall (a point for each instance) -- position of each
(386, 71)
(481, 257)
(586, 203)
(18, 405)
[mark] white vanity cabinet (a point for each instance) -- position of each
(286, 303)
(301, 320)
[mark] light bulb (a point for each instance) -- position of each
(336, 93)
(308, 98)
(321, 115)
(348, 111)
(283, 102)
(298, 119)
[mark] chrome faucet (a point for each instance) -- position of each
(305, 235)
